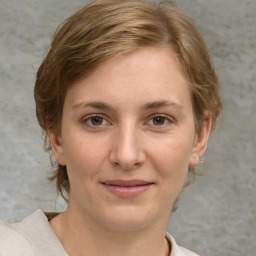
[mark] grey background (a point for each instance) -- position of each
(217, 215)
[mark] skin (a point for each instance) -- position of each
(131, 119)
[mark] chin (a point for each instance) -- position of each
(130, 219)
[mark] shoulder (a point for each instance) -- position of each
(31, 236)
(13, 242)
(178, 250)
(187, 252)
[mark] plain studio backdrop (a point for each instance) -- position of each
(217, 215)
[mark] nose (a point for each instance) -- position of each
(127, 151)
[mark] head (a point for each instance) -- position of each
(105, 29)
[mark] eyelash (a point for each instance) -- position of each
(167, 120)
(88, 118)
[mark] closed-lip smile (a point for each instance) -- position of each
(127, 188)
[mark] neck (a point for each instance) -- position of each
(80, 236)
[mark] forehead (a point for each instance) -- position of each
(147, 74)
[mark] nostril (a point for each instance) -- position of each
(126, 167)
(115, 164)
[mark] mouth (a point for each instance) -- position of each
(127, 188)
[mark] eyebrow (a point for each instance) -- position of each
(96, 104)
(147, 106)
(161, 103)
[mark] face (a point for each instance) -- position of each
(127, 140)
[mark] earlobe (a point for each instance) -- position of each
(57, 148)
(201, 140)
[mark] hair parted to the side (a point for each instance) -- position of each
(105, 29)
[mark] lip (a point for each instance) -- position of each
(127, 188)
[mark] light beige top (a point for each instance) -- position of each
(34, 236)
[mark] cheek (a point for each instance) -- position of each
(173, 150)
(171, 159)
(83, 161)
(83, 155)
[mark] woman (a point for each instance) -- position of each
(127, 97)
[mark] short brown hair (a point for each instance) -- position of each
(104, 29)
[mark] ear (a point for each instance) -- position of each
(200, 142)
(57, 149)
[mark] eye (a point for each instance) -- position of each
(159, 120)
(94, 120)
